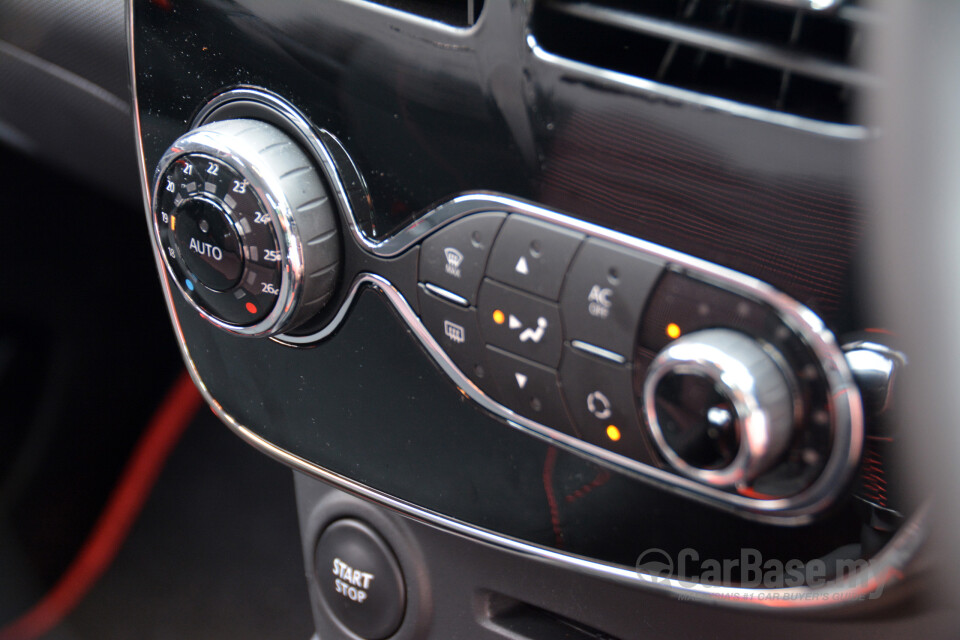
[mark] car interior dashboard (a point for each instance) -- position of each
(572, 318)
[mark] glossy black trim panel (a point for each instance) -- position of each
(294, 73)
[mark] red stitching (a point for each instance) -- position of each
(602, 478)
(548, 464)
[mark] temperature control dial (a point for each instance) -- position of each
(719, 406)
(246, 227)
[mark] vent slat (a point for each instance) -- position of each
(730, 45)
(769, 53)
(812, 5)
(858, 16)
(457, 13)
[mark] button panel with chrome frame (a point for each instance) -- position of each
(648, 359)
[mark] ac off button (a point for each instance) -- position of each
(360, 581)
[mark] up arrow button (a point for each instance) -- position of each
(532, 255)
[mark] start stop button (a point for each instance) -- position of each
(360, 580)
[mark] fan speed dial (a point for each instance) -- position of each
(719, 406)
(246, 227)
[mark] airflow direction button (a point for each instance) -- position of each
(528, 388)
(520, 323)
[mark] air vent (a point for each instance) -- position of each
(458, 13)
(775, 54)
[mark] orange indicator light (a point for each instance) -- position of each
(673, 330)
(613, 433)
(498, 317)
(173, 223)
(252, 308)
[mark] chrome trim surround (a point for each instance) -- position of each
(447, 295)
(414, 18)
(812, 5)
(598, 351)
(886, 568)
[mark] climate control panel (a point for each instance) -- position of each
(644, 357)
(653, 362)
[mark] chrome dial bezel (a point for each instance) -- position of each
(240, 156)
(763, 434)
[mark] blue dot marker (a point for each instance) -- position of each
(189, 284)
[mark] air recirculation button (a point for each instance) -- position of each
(246, 227)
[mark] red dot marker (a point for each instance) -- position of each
(252, 308)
